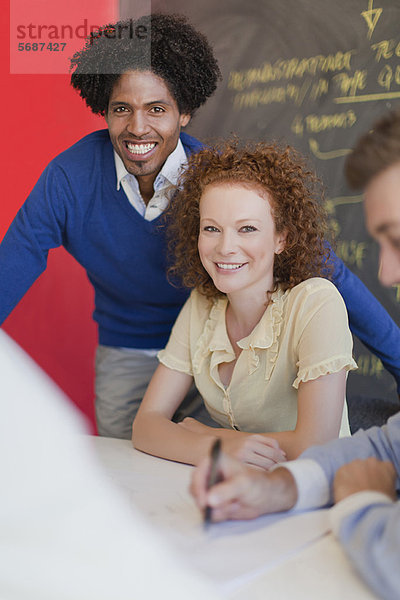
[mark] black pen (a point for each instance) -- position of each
(213, 477)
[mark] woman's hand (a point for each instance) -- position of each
(254, 449)
(250, 448)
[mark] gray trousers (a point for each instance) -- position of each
(122, 376)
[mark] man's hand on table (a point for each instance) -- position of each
(245, 492)
(370, 474)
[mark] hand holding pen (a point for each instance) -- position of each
(232, 490)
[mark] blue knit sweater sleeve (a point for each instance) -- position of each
(368, 320)
(37, 227)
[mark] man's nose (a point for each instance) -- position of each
(137, 124)
(389, 267)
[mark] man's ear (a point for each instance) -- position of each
(184, 120)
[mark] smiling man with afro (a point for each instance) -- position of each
(166, 45)
(103, 199)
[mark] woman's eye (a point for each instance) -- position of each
(210, 228)
(247, 228)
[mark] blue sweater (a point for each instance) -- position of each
(76, 204)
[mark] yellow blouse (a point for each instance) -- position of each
(302, 335)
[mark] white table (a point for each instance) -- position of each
(282, 556)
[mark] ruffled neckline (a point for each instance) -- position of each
(214, 339)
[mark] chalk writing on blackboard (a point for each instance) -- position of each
(330, 206)
(314, 123)
(369, 365)
(329, 154)
(371, 17)
(289, 69)
(352, 252)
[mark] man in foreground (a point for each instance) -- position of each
(359, 475)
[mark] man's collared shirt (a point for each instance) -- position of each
(164, 184)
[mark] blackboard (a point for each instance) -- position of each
(314, 74)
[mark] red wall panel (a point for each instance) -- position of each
(41, 116)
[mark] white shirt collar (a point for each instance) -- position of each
(169, 173)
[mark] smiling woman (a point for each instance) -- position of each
(264, 337)
(237, 239)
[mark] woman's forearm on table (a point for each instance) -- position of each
(155, 434)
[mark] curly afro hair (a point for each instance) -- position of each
(167, 45)
(282, 178)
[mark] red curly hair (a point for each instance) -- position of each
(280, 175)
